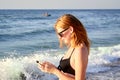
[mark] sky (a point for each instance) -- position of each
(59, 4)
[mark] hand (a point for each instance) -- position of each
(46, 67)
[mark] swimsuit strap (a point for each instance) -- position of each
(72, 53)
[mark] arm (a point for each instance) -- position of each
(50, 68)
(63, 76)
(81, 61)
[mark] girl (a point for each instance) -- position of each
(73, 64)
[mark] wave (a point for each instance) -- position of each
(4, 26)
(36, 18)
(100, 56)
(8, 36)
(26, 67)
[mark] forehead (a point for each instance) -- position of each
(59, 29)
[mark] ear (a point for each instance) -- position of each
(71, 29)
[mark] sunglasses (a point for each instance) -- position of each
(60, 33)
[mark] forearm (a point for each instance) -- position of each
(63, 76)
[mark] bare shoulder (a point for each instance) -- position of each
(81, 50)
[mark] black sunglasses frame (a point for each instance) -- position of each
(60, 33)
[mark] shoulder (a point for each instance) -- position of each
(81, 51)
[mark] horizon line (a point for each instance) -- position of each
(57, 9)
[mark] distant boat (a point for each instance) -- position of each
(46, 14)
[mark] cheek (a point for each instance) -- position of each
(69, 37)
(67, 40)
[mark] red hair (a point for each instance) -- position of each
(79, 34)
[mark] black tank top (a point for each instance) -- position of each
(65, 65)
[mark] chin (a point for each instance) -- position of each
(66, 42)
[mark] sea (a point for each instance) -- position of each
(28, 35)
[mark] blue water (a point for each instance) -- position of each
(27, 35)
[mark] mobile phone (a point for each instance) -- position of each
(37, 61)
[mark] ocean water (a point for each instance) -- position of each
(28, 35)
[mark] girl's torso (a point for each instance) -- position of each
(65, 65)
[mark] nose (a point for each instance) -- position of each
(62, 38)
(59, 36)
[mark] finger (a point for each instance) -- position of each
(41, 64)
(46, 68)
(46, 62)
(42, 68)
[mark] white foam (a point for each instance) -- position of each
(102, 55)
(11, 68)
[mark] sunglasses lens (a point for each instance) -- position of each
(60, 34)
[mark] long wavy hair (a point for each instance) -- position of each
(79, 34)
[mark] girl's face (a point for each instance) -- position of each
(64, 34)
